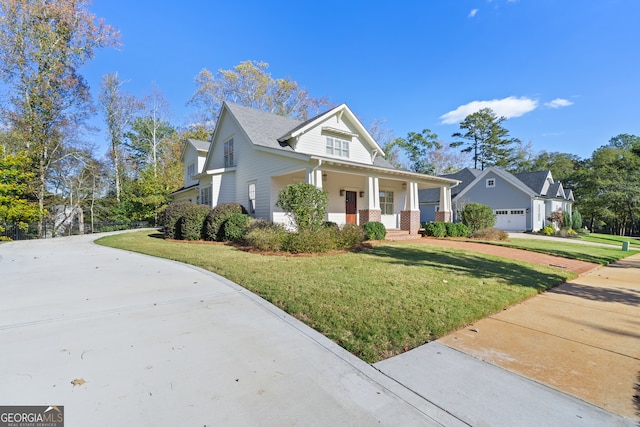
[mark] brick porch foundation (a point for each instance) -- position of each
(410, 221)
(443, 216)
(369, 215)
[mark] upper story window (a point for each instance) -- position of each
(337, 147)
(191, 170)
(252, 197)
(228, 153)
(491, 182)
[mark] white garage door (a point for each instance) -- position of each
(511, 219)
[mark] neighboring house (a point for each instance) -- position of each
(253, 155)
(521, 201)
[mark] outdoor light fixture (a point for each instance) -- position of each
(342, 192)
(324, 176)
(362, 194)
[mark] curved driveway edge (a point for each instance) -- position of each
(148, 341)
(154, 342)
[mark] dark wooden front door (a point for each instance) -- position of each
(351, 207)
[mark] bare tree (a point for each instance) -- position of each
(119, 109)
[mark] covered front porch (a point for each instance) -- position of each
(361, 193)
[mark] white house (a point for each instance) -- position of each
(253, 155)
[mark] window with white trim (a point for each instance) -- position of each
(337, 147)
(386, 202)
(491, 182)
(205, 196)
(252, 197)
(228, 153)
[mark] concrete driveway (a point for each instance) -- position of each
(125, 339)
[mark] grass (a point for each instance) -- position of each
(376, 303)
(596, 254)
(610, 239)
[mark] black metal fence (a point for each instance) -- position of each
(13, 232)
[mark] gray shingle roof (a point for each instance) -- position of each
(466, 176)
(200, 145)
(263, 128)
(534, 180)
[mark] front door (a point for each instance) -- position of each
(351, 207)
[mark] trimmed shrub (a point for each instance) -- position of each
(477, 216)
(566, 219)
(548, 230)
(265, 236)
(234, 227)
(170, 217)
(374, 230)
(490, 234)
(350, 236)
(217, 217)
(305, 204)
(456, 230)
(311, 241)
(435, 229)
(191, 223)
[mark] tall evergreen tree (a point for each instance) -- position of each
(486, 138)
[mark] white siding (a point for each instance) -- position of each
(314, 141)
(191, 158)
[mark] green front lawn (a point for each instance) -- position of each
(590, 253)
(376, 303)
(610, 239)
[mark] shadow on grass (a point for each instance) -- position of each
(512, 272)
(636, 397)
(592, 293)
(157, 235)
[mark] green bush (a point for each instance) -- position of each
(374, 230)
(576, 220)
(217, 217)
(311, 241)
(265, 236)
(170, 218)
(350, 236)
(435, 229)
(191, 223)
(234, 227)
(477, 216)
(548, 230)
(457, 229)
(490, 234)
(305, 204)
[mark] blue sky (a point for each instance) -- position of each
(564, 72)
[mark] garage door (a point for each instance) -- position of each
(511, 219)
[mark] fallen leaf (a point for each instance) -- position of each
(78, 381)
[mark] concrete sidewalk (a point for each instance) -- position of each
(582, 337)
(153, 342)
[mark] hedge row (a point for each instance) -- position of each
(445, 229)
(230, 222)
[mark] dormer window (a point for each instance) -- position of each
(491, 182)
(337, 147)
(191, 170)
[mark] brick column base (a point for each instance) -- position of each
(410, 220)
(443, 216)
(370, 215)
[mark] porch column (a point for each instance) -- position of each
(410, 217)
(372, 213)
(444, 212)
(314, 177)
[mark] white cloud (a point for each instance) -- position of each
(473, 13)
(507, 107)
(558, 103)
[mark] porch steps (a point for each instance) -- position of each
(396, 234)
